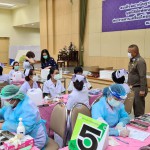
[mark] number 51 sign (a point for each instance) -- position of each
(89, 134)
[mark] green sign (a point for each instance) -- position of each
(88, 134)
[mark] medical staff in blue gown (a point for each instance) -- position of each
(18, 105)
(111, 109)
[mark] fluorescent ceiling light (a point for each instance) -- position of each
(7, 4)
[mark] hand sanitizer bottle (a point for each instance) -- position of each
(20, 129)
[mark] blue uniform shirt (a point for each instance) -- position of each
(50, 62)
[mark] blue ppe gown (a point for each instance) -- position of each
(101, 109)
(34, 125)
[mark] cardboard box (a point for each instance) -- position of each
(105, 74)
(94, 69)
(26, 144)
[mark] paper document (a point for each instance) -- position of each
(138, 134)
(113, 142)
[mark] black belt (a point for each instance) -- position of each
(136, 86)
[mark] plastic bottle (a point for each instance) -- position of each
(20, 128)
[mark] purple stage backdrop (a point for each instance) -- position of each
(120, 15)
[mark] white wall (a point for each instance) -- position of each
(5, 23)
(25, 36)
(27, 14)
(17, 35)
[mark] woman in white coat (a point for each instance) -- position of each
(79, 93)
(30, 82)
(53, 85)
(15, 68)
(3, 77)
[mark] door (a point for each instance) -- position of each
(4, 48)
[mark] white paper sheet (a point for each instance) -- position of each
(112, 141)
(138, 134)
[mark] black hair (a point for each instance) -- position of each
(15, 62)
(78, 85)
(135, 47)
(78, 69)
(30, 54)
(42, 59)
(117, 80)
(27, 78)
(52, 69)
(1, 70)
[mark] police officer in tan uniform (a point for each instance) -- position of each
(137, 79)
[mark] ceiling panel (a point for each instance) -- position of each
(13, 4)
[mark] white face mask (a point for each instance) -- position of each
(35, 78)
(57, 76)
(129, 55)
(114, 103)
(7, 104)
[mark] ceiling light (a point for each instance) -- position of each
(7, 4)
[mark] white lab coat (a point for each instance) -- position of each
(12, 72)
(73, 98)
(25, 86)
(4, 77)
(78, 97)
(27, 65)
(71, 86)
(52, 89)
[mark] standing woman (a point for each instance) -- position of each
(30, 83)
(29, 62)
(53, 85)
(46, 61)
(15, 68)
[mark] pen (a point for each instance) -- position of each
(122, 141)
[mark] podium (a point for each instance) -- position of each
(72, 57)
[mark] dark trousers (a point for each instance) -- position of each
(139, 102)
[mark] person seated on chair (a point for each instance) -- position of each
(3, 77)
(78, 71)
(15, 68)
(30, 82)
(53, 85)
(46, 61)
(29, 62)
(79, 93)
(119, 78)
(18, 105)
(111, 109)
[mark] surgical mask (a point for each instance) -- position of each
(113, 103)
(57, 77)
(7, 104)
(129, 55)
(35, 78)
(45, 57)
(16, 67)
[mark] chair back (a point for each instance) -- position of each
(96, 100)
(78, 108)
(58, 121)
(129, 102)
